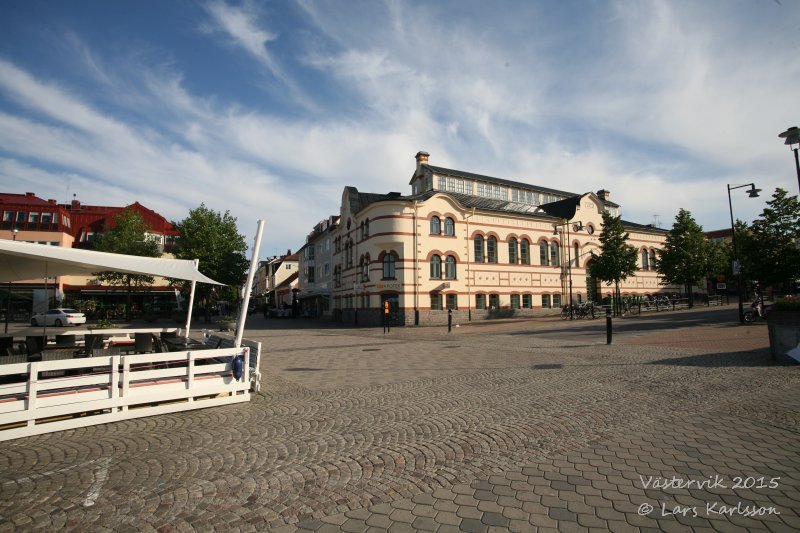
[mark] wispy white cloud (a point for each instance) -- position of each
(660, 104)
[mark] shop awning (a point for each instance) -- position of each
(23, 260)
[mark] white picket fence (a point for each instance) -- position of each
(55, 395)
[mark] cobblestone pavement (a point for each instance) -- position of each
(521, 426)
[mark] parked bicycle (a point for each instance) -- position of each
(582, 310)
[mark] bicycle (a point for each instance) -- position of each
(630, 308)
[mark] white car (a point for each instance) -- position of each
(59, 317)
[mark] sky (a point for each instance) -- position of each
(268, 109)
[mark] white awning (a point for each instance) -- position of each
(23, 260)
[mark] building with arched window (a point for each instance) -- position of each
(466, 243)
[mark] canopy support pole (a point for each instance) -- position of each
(191, 304)
(248, 286)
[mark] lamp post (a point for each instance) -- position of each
(737, 269)
(8, 304)
(579, 227)
(792, 136)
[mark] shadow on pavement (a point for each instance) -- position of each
(758, 358)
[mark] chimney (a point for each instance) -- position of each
(51, 201)
(422, 159)
(30, 195)
(76, 204)
(604, 194)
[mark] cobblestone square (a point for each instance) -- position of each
(683, 423)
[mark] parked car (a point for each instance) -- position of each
(61, 316)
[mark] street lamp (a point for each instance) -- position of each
(737, 269)
(792, 136)
(8, 304)
(578, 227)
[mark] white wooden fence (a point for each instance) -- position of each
(55, 395)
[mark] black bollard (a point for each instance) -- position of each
(449, 320)
(608, 325)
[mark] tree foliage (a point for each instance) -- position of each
(128, 235)
(686, 258)
(213, 239)
(768, 249)
(617, 259)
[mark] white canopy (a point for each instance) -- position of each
(23, 260)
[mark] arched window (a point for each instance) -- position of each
(449, 226)
(491, 249)
(525, 252)
(652, 259)
(366, 229)
(452, 301)
(512, 250)
(555, 258)
(436, 225)
(576, 251)
(450, 267)
(543, 254)
(479, 248)
(365, 268)
(436, 267)
(388, 267)
(645, 262)
(494, 301)
(361, 227)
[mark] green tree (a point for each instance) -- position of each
(617, 259)
(127, 235)
(213, 239)
(768, 249)
(686, 257)
(718, 262)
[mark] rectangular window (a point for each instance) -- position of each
(20, 216)
(451, 184)
(467, 187)
(442, 183)
(481, 189)
(288, 266)
(545, 301)
(480, 301)
(526, 301)
(8, 216)
(556, 301)
(33, 218)
(47, 218)
(515, 195)
(452, 301)
(436, 301)
(515, 301)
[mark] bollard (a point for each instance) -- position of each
(449, 320)
(608, 325)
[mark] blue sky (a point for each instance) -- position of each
(269, 109)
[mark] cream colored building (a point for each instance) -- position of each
(477, 245)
